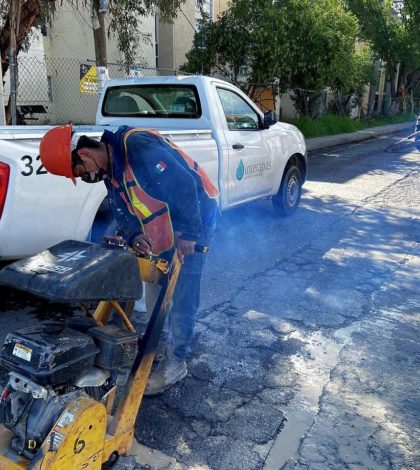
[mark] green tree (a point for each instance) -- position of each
(317, 48)
(393, 29)
(23, 15)
(239, 40)
(291, 44)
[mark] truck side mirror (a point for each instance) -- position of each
(270, 118)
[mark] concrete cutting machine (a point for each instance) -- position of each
(75, 386)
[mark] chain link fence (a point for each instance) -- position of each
(54, 91)
(317, 104)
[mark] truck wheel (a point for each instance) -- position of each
(286, 201)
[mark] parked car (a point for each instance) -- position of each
(247, 154)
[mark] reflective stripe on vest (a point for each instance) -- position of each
(153, 214)
(149, 222)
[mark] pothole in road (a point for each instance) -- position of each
(314, 365)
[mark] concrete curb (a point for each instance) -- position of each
(370, 133)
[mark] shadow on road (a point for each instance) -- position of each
(322, 268)
(266, 277)
(342, 164)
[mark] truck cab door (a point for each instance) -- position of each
(250, 165)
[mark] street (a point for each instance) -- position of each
(306, 352)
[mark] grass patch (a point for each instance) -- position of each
(333, 124)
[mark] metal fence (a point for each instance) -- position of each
(317, 104)
(54, 91)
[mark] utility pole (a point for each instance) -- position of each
(99, 9)
(99, 33)
(397, 78)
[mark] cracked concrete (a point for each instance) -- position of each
(313, 365)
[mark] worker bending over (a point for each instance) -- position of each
(161, 200)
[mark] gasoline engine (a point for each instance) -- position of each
(75, 386)
(51, 365)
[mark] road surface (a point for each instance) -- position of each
(306, 351)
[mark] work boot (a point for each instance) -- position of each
(169, 371)
(164, 350)
(140, 305)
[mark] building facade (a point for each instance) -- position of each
(57, 75)
(175, 39)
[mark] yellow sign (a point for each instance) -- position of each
(88, 79)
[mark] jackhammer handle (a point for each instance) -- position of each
(117, 241)
(197, 249)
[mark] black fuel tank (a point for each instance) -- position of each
(75, 271)
(48, 354)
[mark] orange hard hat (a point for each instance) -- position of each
(55, 151)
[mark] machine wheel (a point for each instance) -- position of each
(113, 459)
(286, 201)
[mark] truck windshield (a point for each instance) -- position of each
(160, 101)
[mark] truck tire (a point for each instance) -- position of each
(286, 201)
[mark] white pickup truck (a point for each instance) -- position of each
(247, 154)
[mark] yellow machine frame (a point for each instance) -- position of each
(89, 433)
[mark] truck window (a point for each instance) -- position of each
(162, 101)
(239, 115)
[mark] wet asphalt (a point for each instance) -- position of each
(306, 351)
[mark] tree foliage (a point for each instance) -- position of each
(305, 44)
(30, 13)
(235, 43)
(125, 18)
(393, 29)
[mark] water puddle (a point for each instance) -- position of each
(313, 366)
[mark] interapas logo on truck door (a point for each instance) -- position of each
(251, 170)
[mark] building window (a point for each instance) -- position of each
(206, 6)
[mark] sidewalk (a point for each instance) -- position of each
(317, 143)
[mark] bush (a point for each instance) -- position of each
(332, 124)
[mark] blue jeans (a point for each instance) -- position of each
(178, 331)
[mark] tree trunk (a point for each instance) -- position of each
(411, 80)
(99, 35)
(29, 13)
